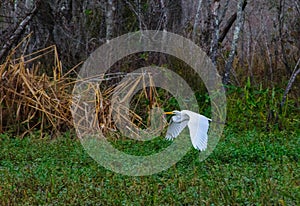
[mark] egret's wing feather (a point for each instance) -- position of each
(176, 125)
(198, 126)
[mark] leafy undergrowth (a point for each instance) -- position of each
(248, 168)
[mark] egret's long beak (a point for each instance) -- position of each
(168, 112)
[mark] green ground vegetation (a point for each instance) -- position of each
(247, 167)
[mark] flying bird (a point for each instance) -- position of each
(197, 123)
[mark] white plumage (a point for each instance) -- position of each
(197, 123)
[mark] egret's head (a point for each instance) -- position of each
(173, 112)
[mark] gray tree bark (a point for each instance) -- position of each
(236, 34)
(17, 33)
(110, 8)
(216, 32)
(230, 23)
(197, 20)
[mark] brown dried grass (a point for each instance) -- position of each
(32, 100)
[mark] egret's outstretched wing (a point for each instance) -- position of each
(176, 125)
(198, 126)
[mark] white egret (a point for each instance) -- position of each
(197, 123)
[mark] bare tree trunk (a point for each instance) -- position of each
(17, 33)
(110, 8)
(186, 12)
(281, 13)
(165, 19)
(15, 14)
(197, 20)
(209, 24)
(230, 23)
(236, 34)
(139, 13)
(251, 46)
(290, 83)
(216, 32)
(224, 11)
(270, 59)
(165, 12)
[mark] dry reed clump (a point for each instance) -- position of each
(114, 107)
(31, 100)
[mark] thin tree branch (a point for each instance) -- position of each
(290, 83)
